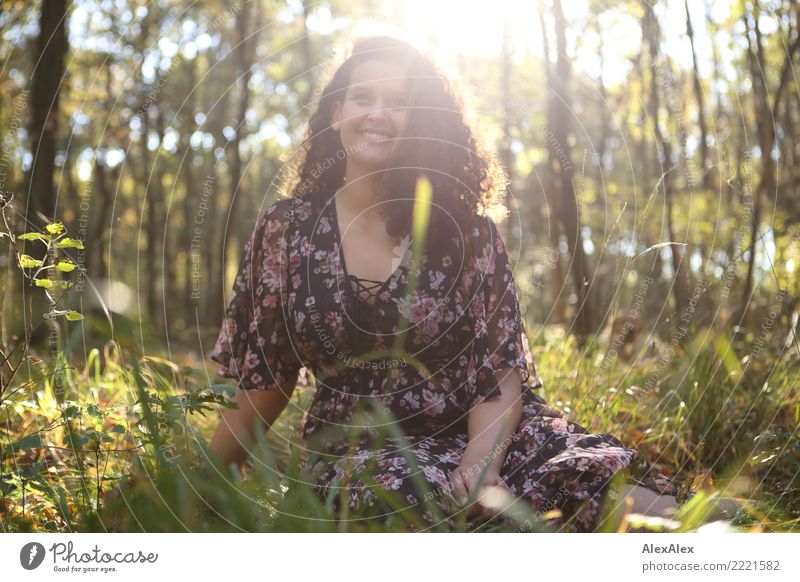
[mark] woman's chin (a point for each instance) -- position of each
(370, 162)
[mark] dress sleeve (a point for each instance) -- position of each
(508, 345)
(254, 343)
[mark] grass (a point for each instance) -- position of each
(122, 445)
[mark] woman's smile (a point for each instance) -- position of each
(376, 135)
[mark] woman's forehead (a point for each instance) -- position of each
(379, 74)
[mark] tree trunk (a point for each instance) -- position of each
(698, 94)
(557, 277)
(569, 210)
(765, 116)
(45, 96)
(244, 61)
(653, 36)
(605, 126)
(506, 156)
(189, 304)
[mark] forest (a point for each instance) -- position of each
(652, 212)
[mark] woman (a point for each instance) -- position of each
(330, 281)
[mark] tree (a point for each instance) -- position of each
(568, 210)
(48, 74)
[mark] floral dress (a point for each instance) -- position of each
(398, 365)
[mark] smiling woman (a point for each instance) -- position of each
(391, 112)
(319, 286)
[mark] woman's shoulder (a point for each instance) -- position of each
(293, 210)
(284, 209)
(488, 220)
(486, 232)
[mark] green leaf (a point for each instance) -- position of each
(6, 483)
(28, 262)
(65, 284)
(55, 228)
(71, 411)
(73, 315)
(34, 236)
(226, 389)
(65, 266)
(46, 283)
(69, 243)
(33, 441)
(118, 428)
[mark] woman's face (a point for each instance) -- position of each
(373, 113)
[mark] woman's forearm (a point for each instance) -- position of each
(492, 422)
(234, 434)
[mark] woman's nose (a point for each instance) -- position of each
(378, 109)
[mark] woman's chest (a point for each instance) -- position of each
(422, 308)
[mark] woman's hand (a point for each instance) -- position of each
(467, 480)
(490, 426)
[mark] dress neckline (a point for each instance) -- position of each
(376, 286)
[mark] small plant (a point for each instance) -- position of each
(54, 238)
(56, 261)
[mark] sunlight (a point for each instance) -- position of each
(473, 28)
(477, 31)
(467, 27)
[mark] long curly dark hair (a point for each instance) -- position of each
(439, 142)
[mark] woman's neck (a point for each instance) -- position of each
(357, 196)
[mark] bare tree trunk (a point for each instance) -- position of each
(766, 130)
(701, 108)
(95, 260)
(215, 250)
(653, 36)
(149, 203)
(506, 156)
(569, 210)
(156, 214)
(718, 116)
(244, 61)
(557, 277)
(188, 304)
(604, 121)
(45, 96)
(95, 252)
(244, 55)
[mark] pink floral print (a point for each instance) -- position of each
(293, 306)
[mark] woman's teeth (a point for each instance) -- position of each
(371, 135)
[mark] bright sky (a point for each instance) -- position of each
(475, 27)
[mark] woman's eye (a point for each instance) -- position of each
(361, 99)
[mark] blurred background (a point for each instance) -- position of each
(625, 126)
(654, 202)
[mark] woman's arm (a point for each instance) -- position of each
(490, 425)
(234, 435)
